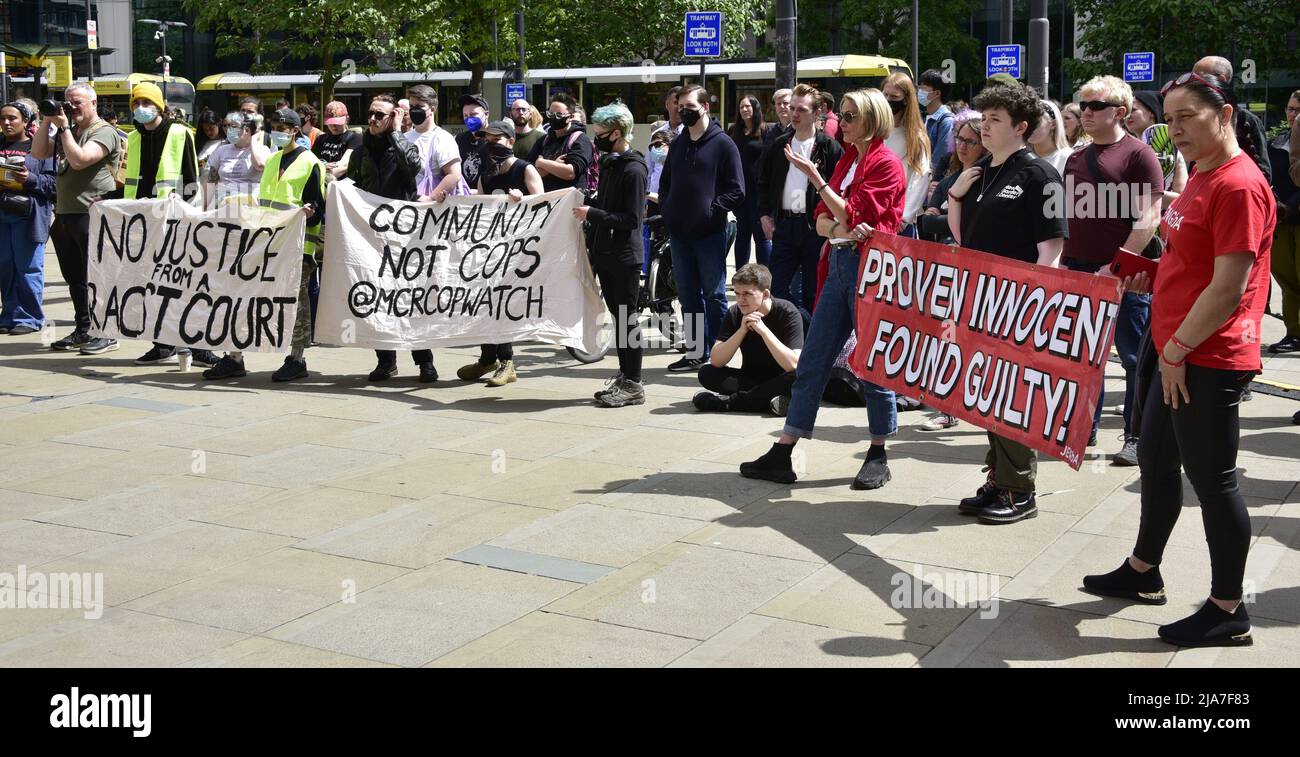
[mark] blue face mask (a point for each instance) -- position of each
(473, 123)
(658, 154)
(923, 97)
(233, 133)
(303, 142)
(145, 114)
(279, 139)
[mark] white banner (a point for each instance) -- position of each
(167, 272)
(470, 270)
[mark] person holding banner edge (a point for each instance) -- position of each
(1002, 206)
(1207, 303)
(292, 178)
(866, 192)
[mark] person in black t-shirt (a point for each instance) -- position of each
(1000, 206)
(564, 154)
(335, 145)
(767, 332)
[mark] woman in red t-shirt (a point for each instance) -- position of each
(865, 194)
(1209, 296)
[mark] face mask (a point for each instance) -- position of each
(419, 115)
(658, 154)
(498, 152)
(557, 122)
(279, 139)
(604, 144)
(473, 123)
(923, 97)
(233, 133)
(145, 114)
(303, 142)
(897, 106)
(689, 116)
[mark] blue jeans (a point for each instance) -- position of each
(832, 322)
(747, 228)
(795, 248)
(1131, 324)
(700, 269)
(22, 274)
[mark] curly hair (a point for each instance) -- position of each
(1021, 103)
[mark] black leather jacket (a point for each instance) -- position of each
(387, 165)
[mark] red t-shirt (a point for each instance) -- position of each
(1227, 210)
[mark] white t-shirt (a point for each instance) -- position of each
(844, 187)
(234, 169)
(794, 197)
(437, 147)
(917, 181)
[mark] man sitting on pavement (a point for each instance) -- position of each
(768, 333)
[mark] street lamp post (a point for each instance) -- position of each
(161, 34)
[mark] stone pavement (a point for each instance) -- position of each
(332, 523)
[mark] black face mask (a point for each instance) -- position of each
(497, 152)
(605, 143)
(558, 123)
(419, 116)
(689, 116)
(897, 106)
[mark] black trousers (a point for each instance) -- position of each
(389, 357)
(749, 394)
(1200, 438)
(491, 353)
(620, 285)
(70, 233)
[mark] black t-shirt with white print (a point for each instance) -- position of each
(1015, 213)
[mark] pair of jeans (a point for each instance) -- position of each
(620, 284)
(700, 269)
(795, 248)
(749, 393)
(70, 233)
(1201, 439)
(22, 274)
(832, 322)
(748, 227)
(1131, 323)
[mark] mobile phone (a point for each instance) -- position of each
(1130, 264)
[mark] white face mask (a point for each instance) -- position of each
(279, 139)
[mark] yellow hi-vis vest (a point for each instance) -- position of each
(168, 177)
(285, 192)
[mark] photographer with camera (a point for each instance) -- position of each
(26, 191)
(85, 149)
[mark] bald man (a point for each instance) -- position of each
(1253, 138)
(523, 117)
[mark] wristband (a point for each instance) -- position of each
(823, 186)
(1180, 345)
(1179, 364)
(951, 198)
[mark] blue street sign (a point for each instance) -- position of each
(1003, 59)
(1139, 67)
(703, 35)
(516, 91)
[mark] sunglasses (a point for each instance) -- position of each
(848, 117)
(377, 116)
(1096, 105)
(1190, 76)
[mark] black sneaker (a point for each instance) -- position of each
(99, 346)
(873, 474)
(1092, 438)
(383, 372)
(226, 368)
(157, 355)
(708, 402)
(772, 466)
(780, 405)
(1009, 508)
(1210, 626)
(205, 358)
(686, 364)
(985, 496)
(626, 392)
(74, 341)
(1288, 344)
(428, 374)
(1126, 583)
(22, 329)
(292, 369)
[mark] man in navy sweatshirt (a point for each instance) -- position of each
(702, 180)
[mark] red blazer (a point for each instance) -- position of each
(875, 196)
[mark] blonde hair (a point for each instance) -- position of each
(1059, 141)
(917, 155)
(1112, 88)
(1074, 135)
(873, 109)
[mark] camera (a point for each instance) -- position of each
(52, 107)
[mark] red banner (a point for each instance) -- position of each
(1014, 348)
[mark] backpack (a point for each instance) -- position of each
(593, 170)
